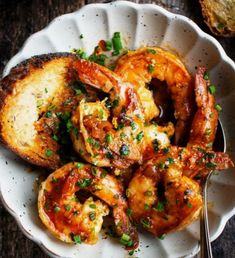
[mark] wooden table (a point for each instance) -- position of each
(18, 20)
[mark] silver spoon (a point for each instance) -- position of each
(205, 244)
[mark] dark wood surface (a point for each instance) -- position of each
(18, 20)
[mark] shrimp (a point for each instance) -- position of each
(117, 142)
(70, 220)
(123, 94)
(105, 143)
(169, 199)
(139, 67)
(195, 160)
(205, 121)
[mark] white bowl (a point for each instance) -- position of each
(139, 25)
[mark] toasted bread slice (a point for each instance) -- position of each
(26, 94)
(219, 15)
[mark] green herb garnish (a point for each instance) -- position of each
(77, 239)
(151, 51)
(140, 136)
(108, 138)
(92, 215)
(83, 183)
(212, 89)
(206, 76)
(116, 40)
(108, 45)
(56, 209)
(210, 165)
(124, 150)
(150, 68)
(126, 240)
(148, 193)
(218, 107)
(48, 152)
(79, 165)
(67, 207)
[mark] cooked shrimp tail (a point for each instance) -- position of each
(122, 93)
(72, 221)
(205, 121)
(167, 200)
(139, 67)
(196, 161)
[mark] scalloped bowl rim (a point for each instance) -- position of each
(224, 57)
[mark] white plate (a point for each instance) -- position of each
(139, 25)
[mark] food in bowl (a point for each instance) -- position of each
(116, 142)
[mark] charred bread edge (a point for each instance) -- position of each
(7, 84)
(225, 32)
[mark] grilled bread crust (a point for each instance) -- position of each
(219, 15)
(26, 94)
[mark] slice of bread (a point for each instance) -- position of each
(219, 15)
(26, 94)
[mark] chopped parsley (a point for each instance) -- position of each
(210, 165)
(218, 107)
(129, 211)
(189, 205)
(166, 150)
(162, 236)
(155, 145)
(108, 138)
(117, 43)
(171, 160)
(56, 209)
(55, 180)
(48, 152)
(212, 89)
(79, 165)
(83, 183)
(109, 155)
(150, 68)
(67, 207)
(146, 206)
(140, 136)
(48, 114)
(124, 150)
(160, 206)
(108, 45)
(145, 223)
(103, 174)
(93, 142)
(206, 76)
(151, 51)
(209, 155)
(133, 125)
(116, 102)
(77, 239)
(126, 240)
(69, 125)
(39, 103)
(120, 126)
(92, 215)
(148, 193)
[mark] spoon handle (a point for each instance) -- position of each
(204, 227)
